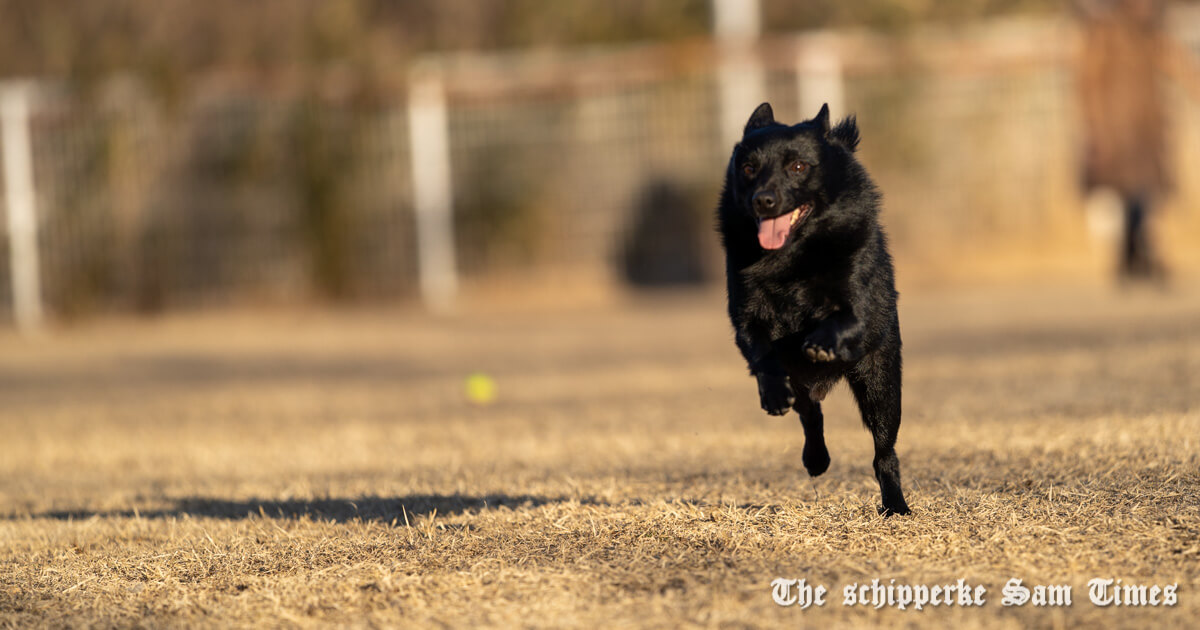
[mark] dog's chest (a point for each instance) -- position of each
(777, 309)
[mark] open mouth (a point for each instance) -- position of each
(773, 233)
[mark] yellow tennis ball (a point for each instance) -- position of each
(481, 388)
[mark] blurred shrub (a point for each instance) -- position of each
(168, 41)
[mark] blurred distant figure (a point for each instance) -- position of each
(1124, 120)
(665, 245)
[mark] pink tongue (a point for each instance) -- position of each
(773, 232)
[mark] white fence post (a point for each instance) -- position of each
(433, 194)
(819, 76)
(740, 76)
(20, 204)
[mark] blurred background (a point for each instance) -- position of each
(173, 155)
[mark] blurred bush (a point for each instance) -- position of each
(168, 41)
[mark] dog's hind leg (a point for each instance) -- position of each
(816, 455)
(876, 385)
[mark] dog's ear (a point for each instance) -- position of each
(845, 134)
(822, 119)
(762, 117)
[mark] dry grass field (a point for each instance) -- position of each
(325, 468)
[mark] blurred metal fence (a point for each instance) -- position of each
(242, 194)
(235, 196)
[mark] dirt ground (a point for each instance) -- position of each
(307, 469)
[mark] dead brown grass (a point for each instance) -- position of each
(314, 469)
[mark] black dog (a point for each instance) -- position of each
(811, 293)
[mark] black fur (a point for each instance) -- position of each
(823, 306)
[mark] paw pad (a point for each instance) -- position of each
(817, 353)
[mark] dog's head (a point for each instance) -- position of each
(780, 175)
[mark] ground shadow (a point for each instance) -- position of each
(399, 510)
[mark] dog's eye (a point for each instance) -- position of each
(748, 170)
(797, 167)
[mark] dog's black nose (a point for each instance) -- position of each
(765, 201)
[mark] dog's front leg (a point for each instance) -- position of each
(774, 391)
(838, 337)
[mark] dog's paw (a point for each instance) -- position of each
(818, 353)
(775, 394)
(816, 459)
(897, 508)
(823, 346)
